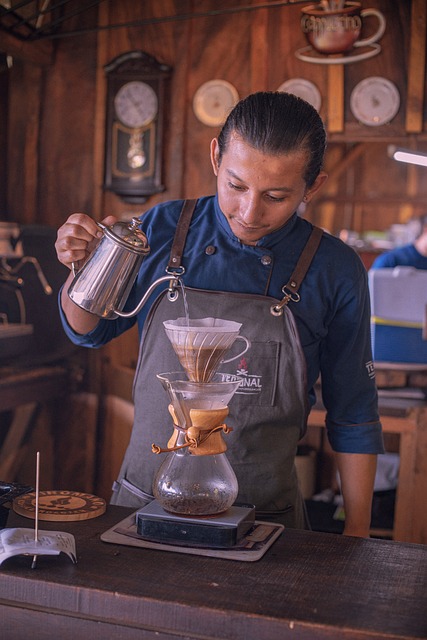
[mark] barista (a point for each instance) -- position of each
(241, 248)
(413, 254)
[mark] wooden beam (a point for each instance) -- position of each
(417, 68)
(38, 52)
(259, 52)
(344, 163)
(335, 115)
(100, 114)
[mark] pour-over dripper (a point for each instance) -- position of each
(202, 344)
(196, 477)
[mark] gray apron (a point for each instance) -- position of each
(268, 413)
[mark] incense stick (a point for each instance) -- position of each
(36, 521)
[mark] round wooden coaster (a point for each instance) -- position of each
(61, 506)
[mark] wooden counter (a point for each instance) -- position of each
(308, 585)
(406, 417)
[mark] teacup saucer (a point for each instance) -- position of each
(308, 54)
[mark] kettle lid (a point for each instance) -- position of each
(129, 235)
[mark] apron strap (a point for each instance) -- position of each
(290, 289)
(305, 260)
(180, 237)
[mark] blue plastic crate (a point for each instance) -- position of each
(398, 344)
(399, 313)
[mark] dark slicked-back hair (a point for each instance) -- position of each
(278, 123)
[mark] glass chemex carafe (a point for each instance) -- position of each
(196, 477)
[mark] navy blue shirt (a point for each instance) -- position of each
(406, 256)
(333, 315)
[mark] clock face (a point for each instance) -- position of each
(136, 104)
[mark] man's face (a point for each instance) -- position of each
(259, 192)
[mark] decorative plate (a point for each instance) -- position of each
(60, 506)
(375, 101)
(213, 101)
(308, 54)
(303, 89)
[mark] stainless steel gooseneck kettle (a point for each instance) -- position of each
(103, 284)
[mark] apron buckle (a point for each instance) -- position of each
(175, 280)
(277, 309)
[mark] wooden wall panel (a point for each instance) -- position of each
(390, 63)
(392, 191)
(57, 106)
(50, 121)
(284, 39)
(219, 48)
(4, 101)
(66, 176)
(23, 160)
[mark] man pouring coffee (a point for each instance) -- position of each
(300, 295)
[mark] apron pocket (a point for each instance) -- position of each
(258, 368)
(126, 494)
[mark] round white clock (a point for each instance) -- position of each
(213, 101)
(136, 104)
(375, 101)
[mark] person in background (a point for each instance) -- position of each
(409, 255)
(242, 247)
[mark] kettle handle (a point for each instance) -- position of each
(74, 269)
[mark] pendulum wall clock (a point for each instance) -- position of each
(136, 85)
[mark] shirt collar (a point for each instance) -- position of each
(268, 241)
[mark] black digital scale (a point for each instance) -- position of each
(220, 530)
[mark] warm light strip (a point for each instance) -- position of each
(406, 155)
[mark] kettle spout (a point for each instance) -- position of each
(174, 281)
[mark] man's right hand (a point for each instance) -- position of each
(77, 238)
